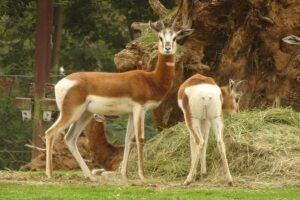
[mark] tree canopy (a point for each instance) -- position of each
(93, 31)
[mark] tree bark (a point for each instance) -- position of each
(57, 36)
(158, 7)
(103, 154)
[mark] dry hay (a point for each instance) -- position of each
(260, 144)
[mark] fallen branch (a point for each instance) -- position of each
(35, 147)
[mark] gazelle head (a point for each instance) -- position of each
(168, 37)
(231, 96)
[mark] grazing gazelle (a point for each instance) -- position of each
(82, 94)
(202, 101)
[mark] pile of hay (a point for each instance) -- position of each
(258, 143)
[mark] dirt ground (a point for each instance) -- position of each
(76, 178)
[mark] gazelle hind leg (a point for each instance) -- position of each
(51, 134)
(205, 126)
(138, 121)
(128, 141)
(71, 139)
(217, 126)
(196, 142)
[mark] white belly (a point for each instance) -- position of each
(109, 106)
(115, 106)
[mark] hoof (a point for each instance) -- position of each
(125, 178)
(187, 182)
(230, 184)
(49, 175)
(204, 175)
(92, 178)
(144, 180)
(142, 177)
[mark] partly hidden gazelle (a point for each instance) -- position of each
(80, 95)
(202, 101)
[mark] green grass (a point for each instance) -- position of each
(29, 191)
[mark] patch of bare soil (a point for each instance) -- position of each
(76, 178)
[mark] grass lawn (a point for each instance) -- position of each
(58, 191)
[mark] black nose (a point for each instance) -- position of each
(168, 48)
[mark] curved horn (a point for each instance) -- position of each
(174, 22)
(162, 23)
(238, 84)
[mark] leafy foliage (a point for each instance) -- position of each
(93, 31)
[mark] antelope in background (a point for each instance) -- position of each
(82, 94)
(202, 101)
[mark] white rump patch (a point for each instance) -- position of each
(204, 101)
(61, 89)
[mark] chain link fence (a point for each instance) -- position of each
(14, 132)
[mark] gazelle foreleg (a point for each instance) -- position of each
(205, 126)
(217, 126)
(196, 143)
(71, 139)
(138, 121)
(129, 137)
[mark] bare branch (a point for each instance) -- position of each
(158, 7)
(184, 11)
(34, 147)
(266, 19)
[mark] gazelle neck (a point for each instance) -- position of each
(165, 69)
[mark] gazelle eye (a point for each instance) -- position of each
(160, 38)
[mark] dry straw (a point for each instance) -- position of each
(259, 143)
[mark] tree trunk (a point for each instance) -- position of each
(58, 28)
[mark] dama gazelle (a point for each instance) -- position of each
(202, 101)
(82, 94)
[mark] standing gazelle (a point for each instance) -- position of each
(202, 101)
(82, 94)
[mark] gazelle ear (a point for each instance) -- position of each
(231, 84)
(237, 85)
(153, 28)
(292, 39)
(184, 33)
